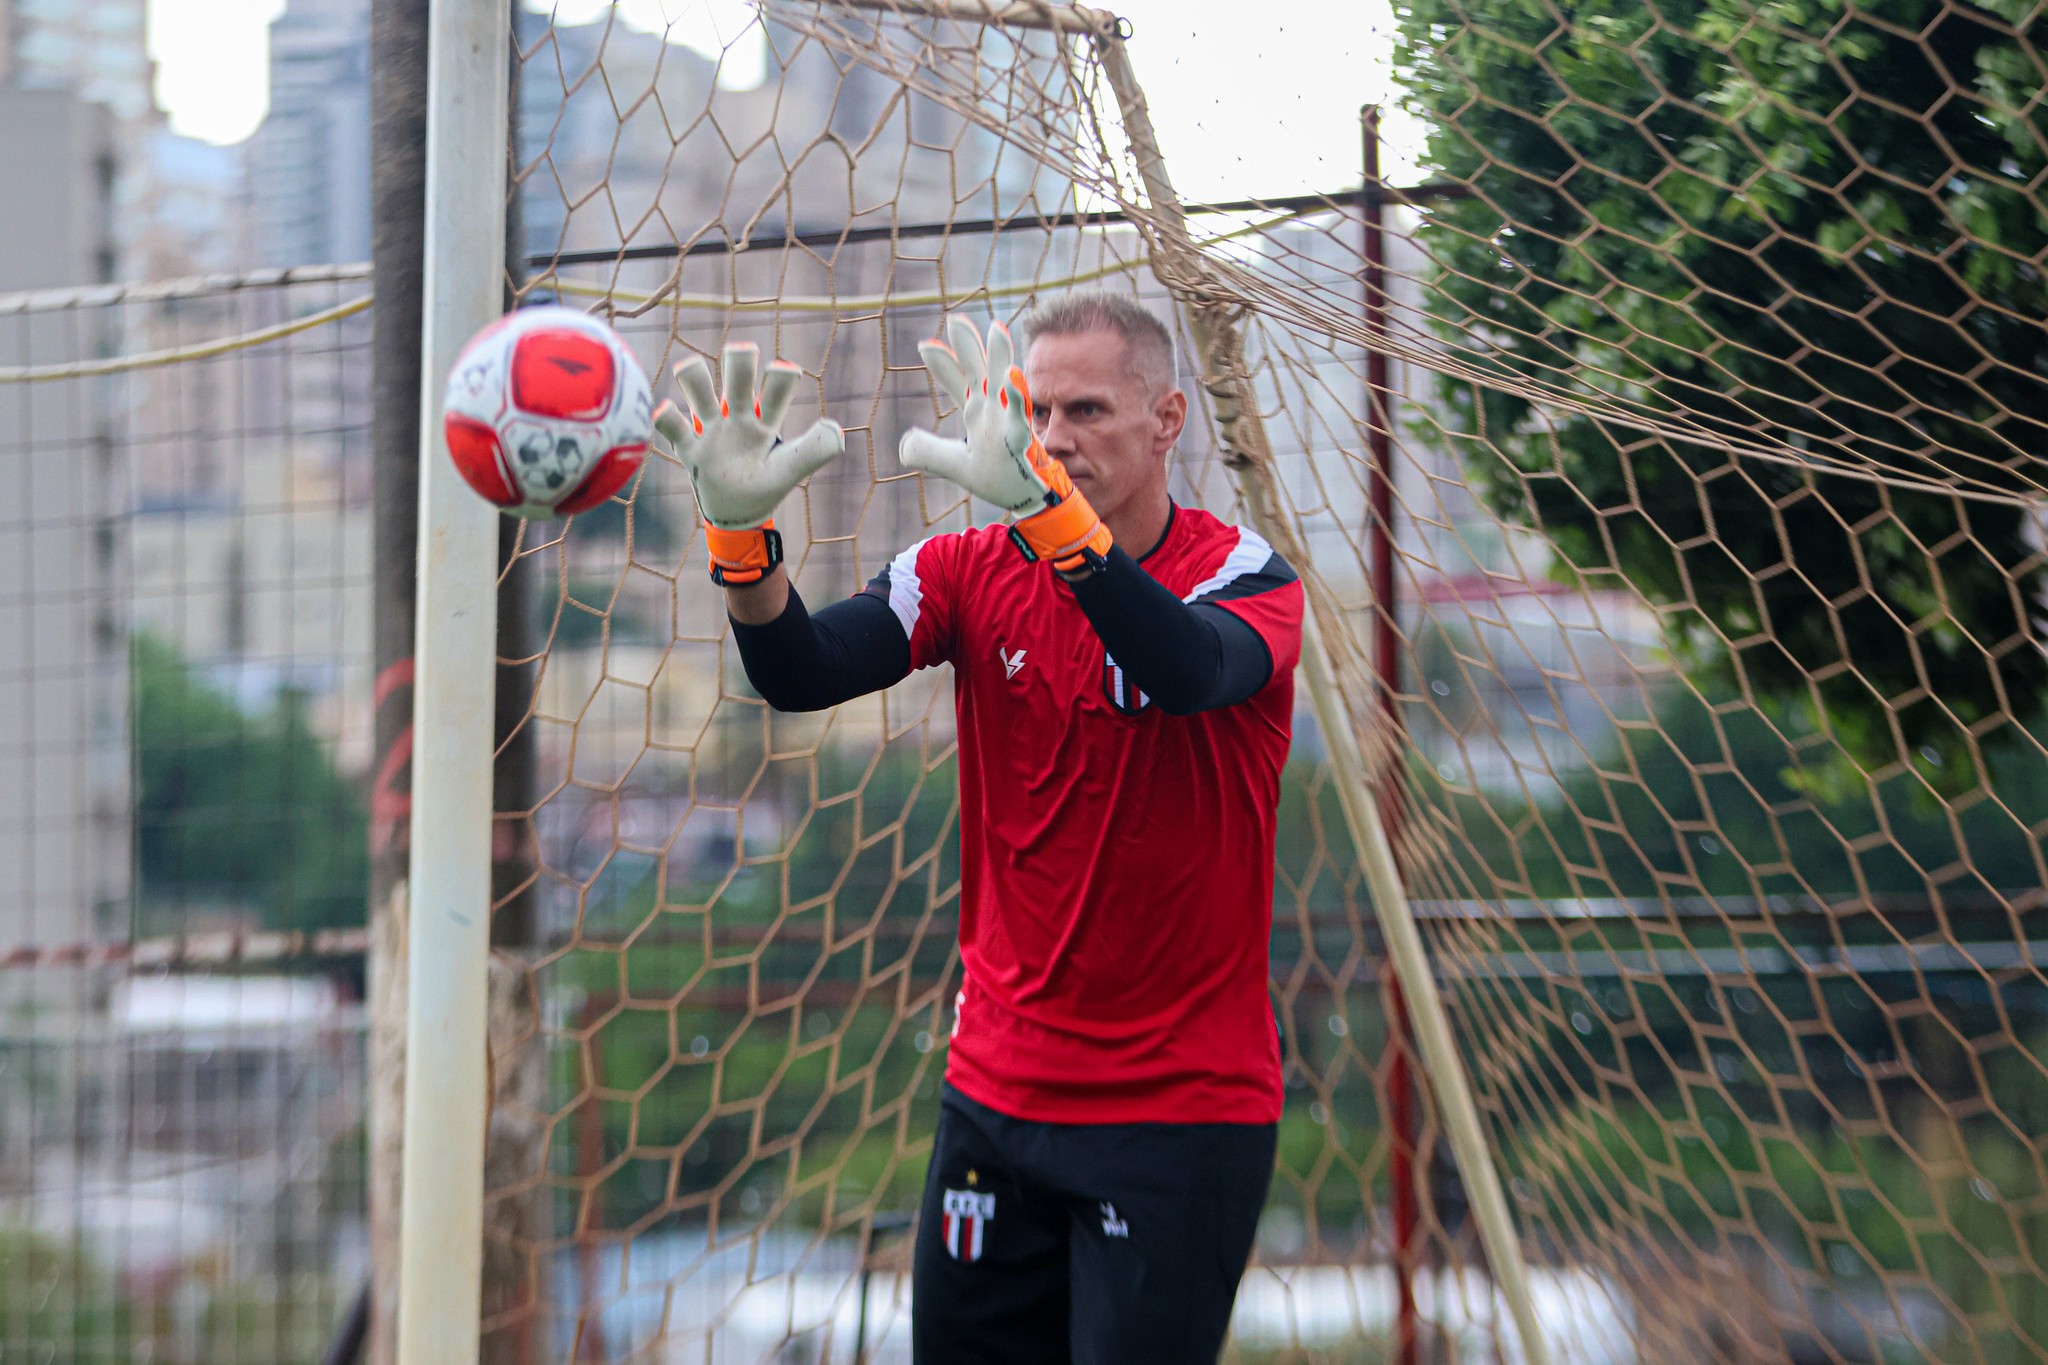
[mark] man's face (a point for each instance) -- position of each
(1097, 418)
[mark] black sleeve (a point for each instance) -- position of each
(1186, 658)
(801, 662)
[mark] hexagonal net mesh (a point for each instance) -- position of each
(1663, 472)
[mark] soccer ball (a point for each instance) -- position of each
(547, 413)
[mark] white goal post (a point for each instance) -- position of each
(455, 648)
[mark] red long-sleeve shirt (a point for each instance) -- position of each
(1116, 861)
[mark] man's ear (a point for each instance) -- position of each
(1170, 416)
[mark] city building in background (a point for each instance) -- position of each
(176, 201)
(309, 160)
(64, 816)
(67, 232)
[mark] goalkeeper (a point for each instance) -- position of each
(1123, 673)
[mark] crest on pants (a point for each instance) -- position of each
(968, 1214)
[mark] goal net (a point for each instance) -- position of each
(1661, 468)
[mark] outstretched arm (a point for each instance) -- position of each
(1187, 658)
(741, 469)
(801, 662)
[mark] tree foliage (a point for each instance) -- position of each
(1811, 223)
(239, 809)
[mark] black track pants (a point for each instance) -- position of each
(1097, 1244)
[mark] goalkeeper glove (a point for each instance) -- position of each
(740, 468)
(1002, 461)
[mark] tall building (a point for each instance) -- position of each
(175, 201)
(309, 161)
(65, 232)
(98, 51)
(193, 220)
(100, 54)
(63, 691)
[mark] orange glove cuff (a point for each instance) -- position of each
(1063, 535)
(742, 557)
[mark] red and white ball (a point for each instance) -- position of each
(547, 413)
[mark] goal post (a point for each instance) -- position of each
(447, 1096)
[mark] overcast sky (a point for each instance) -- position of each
(1242, 108)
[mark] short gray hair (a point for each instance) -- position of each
(1148, 346)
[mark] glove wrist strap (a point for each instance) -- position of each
(1068, 535)
(742, 557)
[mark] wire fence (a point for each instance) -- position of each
(181, 1027)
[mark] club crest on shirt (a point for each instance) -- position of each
(965, 1228)
(1123, 694)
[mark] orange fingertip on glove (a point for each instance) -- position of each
(1067, 534)
(742, 557)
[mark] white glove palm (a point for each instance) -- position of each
(994, 462)
(741, 469)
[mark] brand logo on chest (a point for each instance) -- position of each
(1011, 662)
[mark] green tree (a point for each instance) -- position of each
(1711, 800)
(1808, 222)
(240, 808)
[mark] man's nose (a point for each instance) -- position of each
(1055, 435)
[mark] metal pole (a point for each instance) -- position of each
(860, 1333)
(448, 945)
(590, 1345)
(1386, 658)
(398, 141)
(877, 1225)
(515, 921)
(1380, 446)
(1401, 1170)
(515, 1284)
(347, 1347)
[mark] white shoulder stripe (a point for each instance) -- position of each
(1249, 555)
(906, 592)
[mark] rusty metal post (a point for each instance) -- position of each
(398, 133)
(1386, 659)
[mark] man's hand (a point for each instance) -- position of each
(1002, 461)
(740, 468)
